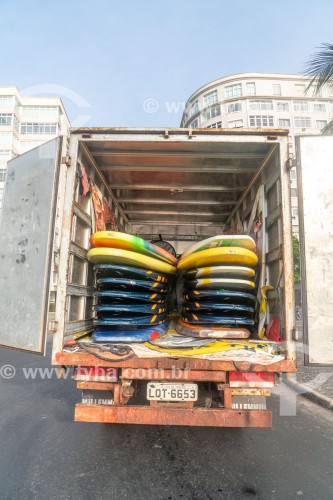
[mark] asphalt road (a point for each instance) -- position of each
(45, 455)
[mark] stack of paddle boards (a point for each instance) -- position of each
(219, 287)
(133, 281)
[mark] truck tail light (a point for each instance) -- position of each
(95, 374)
(251, 379)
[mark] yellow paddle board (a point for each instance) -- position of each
(222, 240)
(118, 256)
(220, 283)
(220, 272)
(215, 346)
(124, 241)
(222, 255)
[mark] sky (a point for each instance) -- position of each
(134, 63)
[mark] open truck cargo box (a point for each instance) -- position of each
(185, 185)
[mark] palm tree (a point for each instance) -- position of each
(319, 68)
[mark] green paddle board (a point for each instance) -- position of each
(223, 240)
(124, 241)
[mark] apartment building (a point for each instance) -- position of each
(27, 122)
(259, 100)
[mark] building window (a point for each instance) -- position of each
(215, 125)
(302, 122)
(233, 90)
(40, 112)
(284, 122)
(235, 124)
(210, 98)
(282, 106)
(251, 88)
(5, 138)
(300, 106)
(276, 89)
(292, 174)
(212, 112)
(233, 107)
(261, 121)
(319, 107)
(7, 101)
(293, 192)
(195, 123)
(39, 128)
(2, 175)
(194, 108)
(6, 119)
(295, 212)
(5, 155)
(299, 88)
(321, 124)
(261, 105)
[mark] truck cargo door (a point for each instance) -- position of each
(315, 193)
(26, 246)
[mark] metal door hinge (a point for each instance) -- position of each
(295, 334)
(53, 326)
(66, 160)
(291, 163)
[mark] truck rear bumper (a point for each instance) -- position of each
(83, 359)
(148, 415)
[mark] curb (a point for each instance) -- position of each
(309, 393)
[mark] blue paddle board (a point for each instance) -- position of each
(126, 284)
(118, 271)
(131, 308)
(225, 308)
(133, 319)
(219, 296)
(143, 334)
(207, 319)
(119, 296)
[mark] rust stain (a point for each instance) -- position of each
(97, 386)
(82, 359)
(157, 415)
(176, 374)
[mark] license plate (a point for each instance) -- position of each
(172, 392)
(248, 403)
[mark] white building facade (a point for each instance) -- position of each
(259, 100)
(27, 122)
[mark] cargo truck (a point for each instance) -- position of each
(186, 185)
